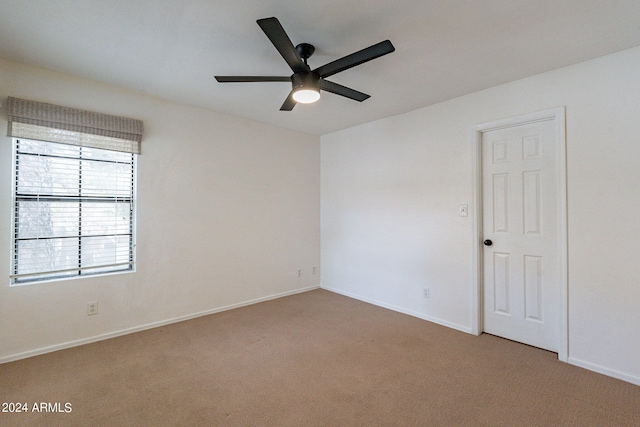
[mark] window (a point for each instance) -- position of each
(73, 191)
(73, 211)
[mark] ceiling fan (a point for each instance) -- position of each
(306, 82)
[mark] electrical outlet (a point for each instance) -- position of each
(299, 272)
(92, 308)
(426, 293)
(313, 270)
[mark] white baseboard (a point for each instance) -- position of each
(402, 310)
(605, 371)
(75, 343)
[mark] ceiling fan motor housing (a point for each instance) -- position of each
(306, 87)
(309, 79)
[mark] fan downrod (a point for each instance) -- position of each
(305, 50)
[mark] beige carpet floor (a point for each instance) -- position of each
(313, 359)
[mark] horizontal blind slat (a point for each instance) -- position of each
(15, 276)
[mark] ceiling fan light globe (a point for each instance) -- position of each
(306, 95)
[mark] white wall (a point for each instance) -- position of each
(391, 191)
(228, 210)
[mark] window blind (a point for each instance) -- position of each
(53, 123)
(74, 211)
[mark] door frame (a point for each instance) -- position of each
(558, 116)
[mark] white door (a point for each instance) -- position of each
(521, 259)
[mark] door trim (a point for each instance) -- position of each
(558, 116)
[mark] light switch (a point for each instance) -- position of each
(464, 210)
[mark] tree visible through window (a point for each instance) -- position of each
(73, 211)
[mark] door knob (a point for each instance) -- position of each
(488, 242)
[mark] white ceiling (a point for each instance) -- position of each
(444, 48)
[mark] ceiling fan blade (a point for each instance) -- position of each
(248, 79)
(289, 103)
(282, 42)
(342, 90)
(357, 58)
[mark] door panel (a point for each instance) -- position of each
(500, 203)
(500, 283)
(533, 287)
(521, 268)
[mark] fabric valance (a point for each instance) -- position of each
(53, 123)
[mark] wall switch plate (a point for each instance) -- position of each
(463, 210)
(92, 308)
